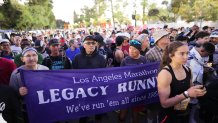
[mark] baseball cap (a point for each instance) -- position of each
(4, 41)
(214, 34)
(53, 42)
(99, 39)
(89, 37)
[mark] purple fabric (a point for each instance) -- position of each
(68, 94)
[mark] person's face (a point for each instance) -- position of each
(126, 40)
(17, 40)
(78, 39)
(203, 52)
(164, 41)
(204, 40)
(174, 33)
(54, 48)
(214, 40)
(6, 47)
(40, 37)
(133, 52)
(25, 44)
(76, 44)
(89, 45)
(195, 28)
(145, 42)
(30, 58)
(181, 55)
(62, 43)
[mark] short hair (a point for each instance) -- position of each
(25, 40)
(165, 26)
(208, 47)
(205, 27)
(182, 38)
(119, 40)
(175, 30)
(71, 41)
(201, 34)
(144, 31)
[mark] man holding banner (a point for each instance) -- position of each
(89, 58)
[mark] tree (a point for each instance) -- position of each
(9, 14)
(144, 5)
(94, 12)
(193, 10)
(42, 12)
(118, 12)
(160, 14)
(37, 14)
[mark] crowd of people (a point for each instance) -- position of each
(187, 58)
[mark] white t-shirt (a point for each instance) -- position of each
(16, 50)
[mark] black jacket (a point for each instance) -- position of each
(85, 61)
(10, 106)
(57, 62)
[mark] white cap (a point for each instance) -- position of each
(38, 34)
(214, 34)
(4, 41)
(124, 34)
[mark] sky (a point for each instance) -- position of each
(63, 9)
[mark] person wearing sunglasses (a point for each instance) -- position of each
(89, 57)
(134, 58)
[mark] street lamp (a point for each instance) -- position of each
(134, 15)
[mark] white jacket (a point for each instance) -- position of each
(196, 63)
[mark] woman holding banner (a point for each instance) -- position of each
(174, 85)
(30, 58)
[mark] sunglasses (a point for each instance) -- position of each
(89, 43)
(135, 42)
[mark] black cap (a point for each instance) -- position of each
(99, 39)
(90, 37)
(53, 42)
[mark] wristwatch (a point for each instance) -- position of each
(185, 93)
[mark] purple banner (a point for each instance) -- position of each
(68, 94)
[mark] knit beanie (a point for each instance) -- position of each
(136, 44)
